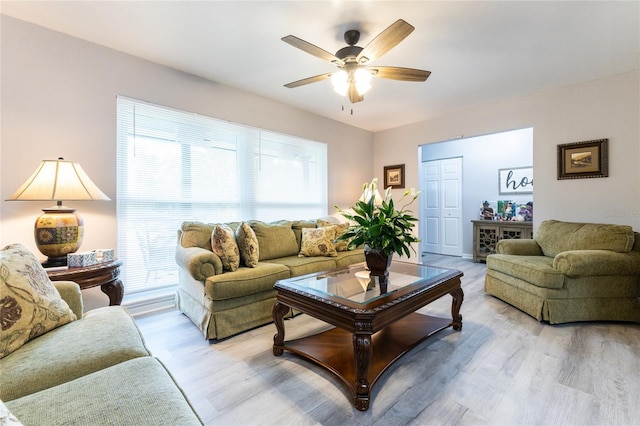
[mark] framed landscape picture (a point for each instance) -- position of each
(587, 159)
(394, 176)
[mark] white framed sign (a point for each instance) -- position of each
(515, 180)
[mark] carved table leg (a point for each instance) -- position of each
(115, 291)
(279, 311)
(458, 297)
(362, 353)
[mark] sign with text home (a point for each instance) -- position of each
(515, 180)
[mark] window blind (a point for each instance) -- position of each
(175, 166)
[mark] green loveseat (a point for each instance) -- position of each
(223, 303)
(93, 370)
(570, 272)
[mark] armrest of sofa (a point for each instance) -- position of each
(71, 294)
(200, 263)
(525, 247)
(597, 262)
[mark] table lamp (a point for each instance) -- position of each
(59, 230)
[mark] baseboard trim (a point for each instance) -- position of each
(142, 304)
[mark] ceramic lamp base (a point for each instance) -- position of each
(58, 232)
(53, 262)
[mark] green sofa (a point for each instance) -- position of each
(223, 303)
(570, 272)
(92, 370)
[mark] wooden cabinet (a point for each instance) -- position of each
(487, 233)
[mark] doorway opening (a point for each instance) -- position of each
(456, 176)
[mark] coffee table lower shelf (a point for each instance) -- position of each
(334, 349)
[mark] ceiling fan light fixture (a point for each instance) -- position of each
(340, 82)
(363, 80)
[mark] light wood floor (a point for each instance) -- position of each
(503, 368)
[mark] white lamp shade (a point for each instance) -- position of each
(58, 180)
(340, 81)
(363, 80)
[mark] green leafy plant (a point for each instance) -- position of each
(381, 227)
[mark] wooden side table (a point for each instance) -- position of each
(106, 275)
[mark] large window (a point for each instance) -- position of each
(174, 166)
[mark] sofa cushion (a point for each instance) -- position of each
(318, 242)
(196, 234)
(537, 270)
(350, 257)
(248, 245)
(223, 244)
(340, 228)
(306, 265)
(102, 338)
(136, 392)
(275, 239)
(244, 281)
(555, 236)
(30, 305)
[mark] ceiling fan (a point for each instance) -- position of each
(354, 75)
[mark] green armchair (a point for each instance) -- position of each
(570, 272)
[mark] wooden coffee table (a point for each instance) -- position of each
(372, 330)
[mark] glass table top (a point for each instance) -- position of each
(355, 284)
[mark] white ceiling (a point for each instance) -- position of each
(479, 52)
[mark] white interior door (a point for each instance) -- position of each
(431, 217)
(442, 207)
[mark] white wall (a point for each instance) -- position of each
(59, 99)
(604, 108)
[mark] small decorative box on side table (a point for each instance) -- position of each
(106, 275)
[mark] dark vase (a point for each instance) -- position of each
(378, 264)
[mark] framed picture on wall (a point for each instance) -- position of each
(589, 159)
(394, 176)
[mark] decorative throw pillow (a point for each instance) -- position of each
(30, 305)
(248, 245)
(340, 228)
(276, 239)
(297, 226)
(318, 242)
(196, 234)
(223, 243)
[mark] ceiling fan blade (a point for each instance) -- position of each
(353, 94)
(308, 80)
(385, 41)
(312, 49)
(398, 73)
